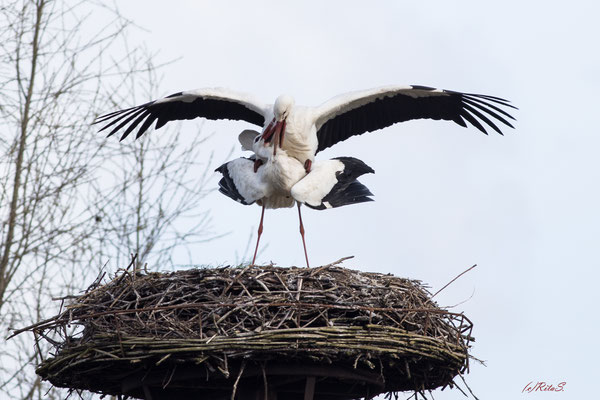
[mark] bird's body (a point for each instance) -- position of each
(282, 172)
(281, 180)
(269, 184)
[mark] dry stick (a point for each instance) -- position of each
(37, 346)
(55, 321)
(236, 278)
(462, 302)
(299, 285)
(264, 375)
(170, 377)
(465, 382)
(243, 366)
(317, 270)
(449, 283)
(460, 389)
(131, 264)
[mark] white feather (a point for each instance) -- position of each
(318, 183)
(250, 185)
(271, 184)
(246, 139)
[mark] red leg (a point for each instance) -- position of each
(260, 231)
(302, 233)
(257, 163)
(307, 166)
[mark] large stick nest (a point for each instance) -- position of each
(211, 332)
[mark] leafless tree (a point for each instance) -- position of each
(147, 186)
(70, 200)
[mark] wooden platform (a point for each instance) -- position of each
(289, 382)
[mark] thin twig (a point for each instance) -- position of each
(458, 276)
(237, 379)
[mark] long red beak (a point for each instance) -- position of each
(282, 134)
(276, 129)
(268, 132)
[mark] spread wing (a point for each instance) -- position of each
(365, 111)
(210, 103)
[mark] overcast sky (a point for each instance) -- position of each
(524, 207)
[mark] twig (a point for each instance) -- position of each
(237, 379)
(266, 386)
(319, 269)
(465, 382)
(458, 276)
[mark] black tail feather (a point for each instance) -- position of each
(353, 168)
(344, 194)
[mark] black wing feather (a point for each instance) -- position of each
(117, 117)
(482, 117)
(135, 123)
(469, 117)
(401, 106)
(487, 107)
(163, 112)
(145, 125)
(124, 122)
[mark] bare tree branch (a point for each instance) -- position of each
(70, 200)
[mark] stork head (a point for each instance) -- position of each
(261, 149)
(276, 128)
(283, 106)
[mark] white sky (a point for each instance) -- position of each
(524, 207)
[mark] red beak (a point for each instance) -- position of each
(276, 129)
(282, 133)
(268, 132)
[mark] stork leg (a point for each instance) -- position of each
(257, 163)
(302, 234)
(260, 231)
(307, 166)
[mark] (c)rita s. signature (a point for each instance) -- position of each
(543, 387)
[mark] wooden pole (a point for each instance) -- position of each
(309, 390)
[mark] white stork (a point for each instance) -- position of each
(280, 181)
(307, 130)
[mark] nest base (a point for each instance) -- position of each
(281, 381)
(327, 333)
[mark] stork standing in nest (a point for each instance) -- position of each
(273, 179)
(282, 171)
